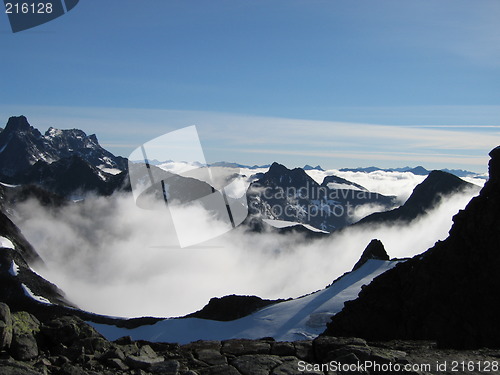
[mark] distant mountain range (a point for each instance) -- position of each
(419, 171)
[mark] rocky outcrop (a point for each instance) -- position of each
(231, 307)
(67, 345)
(374, 250)
(22, 146)
(448, 294)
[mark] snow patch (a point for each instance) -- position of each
(3, 147)
(54, 132)
(8, 185)
(6, 243)
(14, 269)
(335, 185)
(113, 171)
(29, 293)
(285, 224)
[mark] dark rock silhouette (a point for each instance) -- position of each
(448, 294)
(374, 250)
(231, 307)
(424, 197)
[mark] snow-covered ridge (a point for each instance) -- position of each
(14, 269)
(6, 243)
(29, 293)
(302, 318)
(286, 224)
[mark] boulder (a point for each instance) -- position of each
(245, 346)
(24, 329)
(5, 326)
(256, 364)
(24, 347)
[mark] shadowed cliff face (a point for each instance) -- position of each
(449, 294)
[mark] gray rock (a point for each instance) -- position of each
(24, 323)
(361, 352)
(114, 352)
(244, 346)
(16, 368)
(219, 370)
(24, 347)
(170, 367)
(147, 351)
(382, 355)
(142, 361)
(304, 350)
(292, 367)
(130, 349)
(325, 344)
(69, 369)
(197, 345)
(211, 357)
(5, 326)
(117, 364)
(67, 329)
(256, 364)
(93, 345)
(283, 348)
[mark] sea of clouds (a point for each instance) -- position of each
(112, 257)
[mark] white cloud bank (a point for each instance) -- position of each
(113, 258)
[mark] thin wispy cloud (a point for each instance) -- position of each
(239, 138)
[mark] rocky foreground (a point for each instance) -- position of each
(68, 346)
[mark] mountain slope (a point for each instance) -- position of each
(20, 287)
(72, 175)
(21, 146)
(425, 196)
(448, 294)
(293, 196)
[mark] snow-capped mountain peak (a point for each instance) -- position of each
(22, 146)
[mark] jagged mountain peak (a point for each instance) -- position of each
(18, 124)
(71, 139)
(494, 164)
(424, 197)
(308, 167)
(436, 183)
(22, 146)
(332, 179)
(374, 250)
(287, 177)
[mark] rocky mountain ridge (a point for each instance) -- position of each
(449, 293)
(22, 146)
(292, 195)
(426, 195)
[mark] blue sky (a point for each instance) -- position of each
(336, 83)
